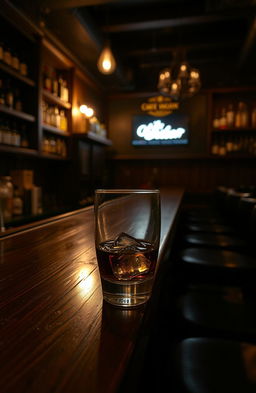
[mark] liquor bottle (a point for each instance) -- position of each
(253, 117)
(54, 84)
(65, 91)
(7, 56)
(2, 94)
(7, 210)
(47, 82)
(215, 146)
(222, 148)
(9, 96)
(17, 206)
(230, 116)
(223, 119)
(23, 67)
(61, 90)
(57, 117)
(63, 121)
(17, 100)
(216, 119)
(15, 61)
(241, 119)
(24, 142)
(229, 144)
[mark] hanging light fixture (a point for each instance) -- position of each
(179, 81)
(106, 62)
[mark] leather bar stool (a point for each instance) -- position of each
(208, 365)
(224, 312)
(215, 240)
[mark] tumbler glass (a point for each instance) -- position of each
(127, 233)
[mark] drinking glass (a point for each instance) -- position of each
(127, 233)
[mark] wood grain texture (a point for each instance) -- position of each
(56, 335)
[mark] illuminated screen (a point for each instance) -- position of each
(154, 131)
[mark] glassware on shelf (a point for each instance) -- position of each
(6, 198)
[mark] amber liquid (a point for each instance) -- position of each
(127, 274)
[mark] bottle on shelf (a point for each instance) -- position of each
(23, 67)
(63, 121)
(223, 119)
(7, 56)
(57, 116)
(216, 119)
(6, 181)
(242, 116)
(253, 117)
(215, 146)
(9, 94)
(24, 141)
(17, 207)
(2, 94)
(15, 61)
(65, 91)
(54, 83)
(17, 100)
(47, 82)
(230, 116)
(222, 147)
(61, 87)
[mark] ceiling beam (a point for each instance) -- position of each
(192, 61)
(249, 41)
(173, 22)
(187, 48)
(51, 5)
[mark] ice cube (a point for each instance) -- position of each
(124, 240)
(128, 266)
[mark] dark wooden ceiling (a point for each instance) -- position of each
(216, 36)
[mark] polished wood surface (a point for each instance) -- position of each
(56, 334)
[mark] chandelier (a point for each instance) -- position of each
(179, 82)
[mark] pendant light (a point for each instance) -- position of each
(106, 62)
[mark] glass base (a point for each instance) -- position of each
(127, 293)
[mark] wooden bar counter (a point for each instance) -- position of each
(56, 334)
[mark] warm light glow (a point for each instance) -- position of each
(88, 112)
(75, 111)
(86, 282)
(106, 62)
(194, 74)
(174, 86)
(179, 82)
(83, 109)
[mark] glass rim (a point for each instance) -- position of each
(126, 191)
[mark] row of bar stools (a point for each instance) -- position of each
(216, 307)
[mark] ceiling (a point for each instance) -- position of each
(216, 36)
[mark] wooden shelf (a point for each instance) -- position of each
(51, 156)
(55, 130)
(129, 157)
(56, 100)
(11, 71)
(19, 114)
(247, 129)
(18, 150)
(94, 137)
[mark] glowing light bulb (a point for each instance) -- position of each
(86, 110)
(83, 108)
(106, 62)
